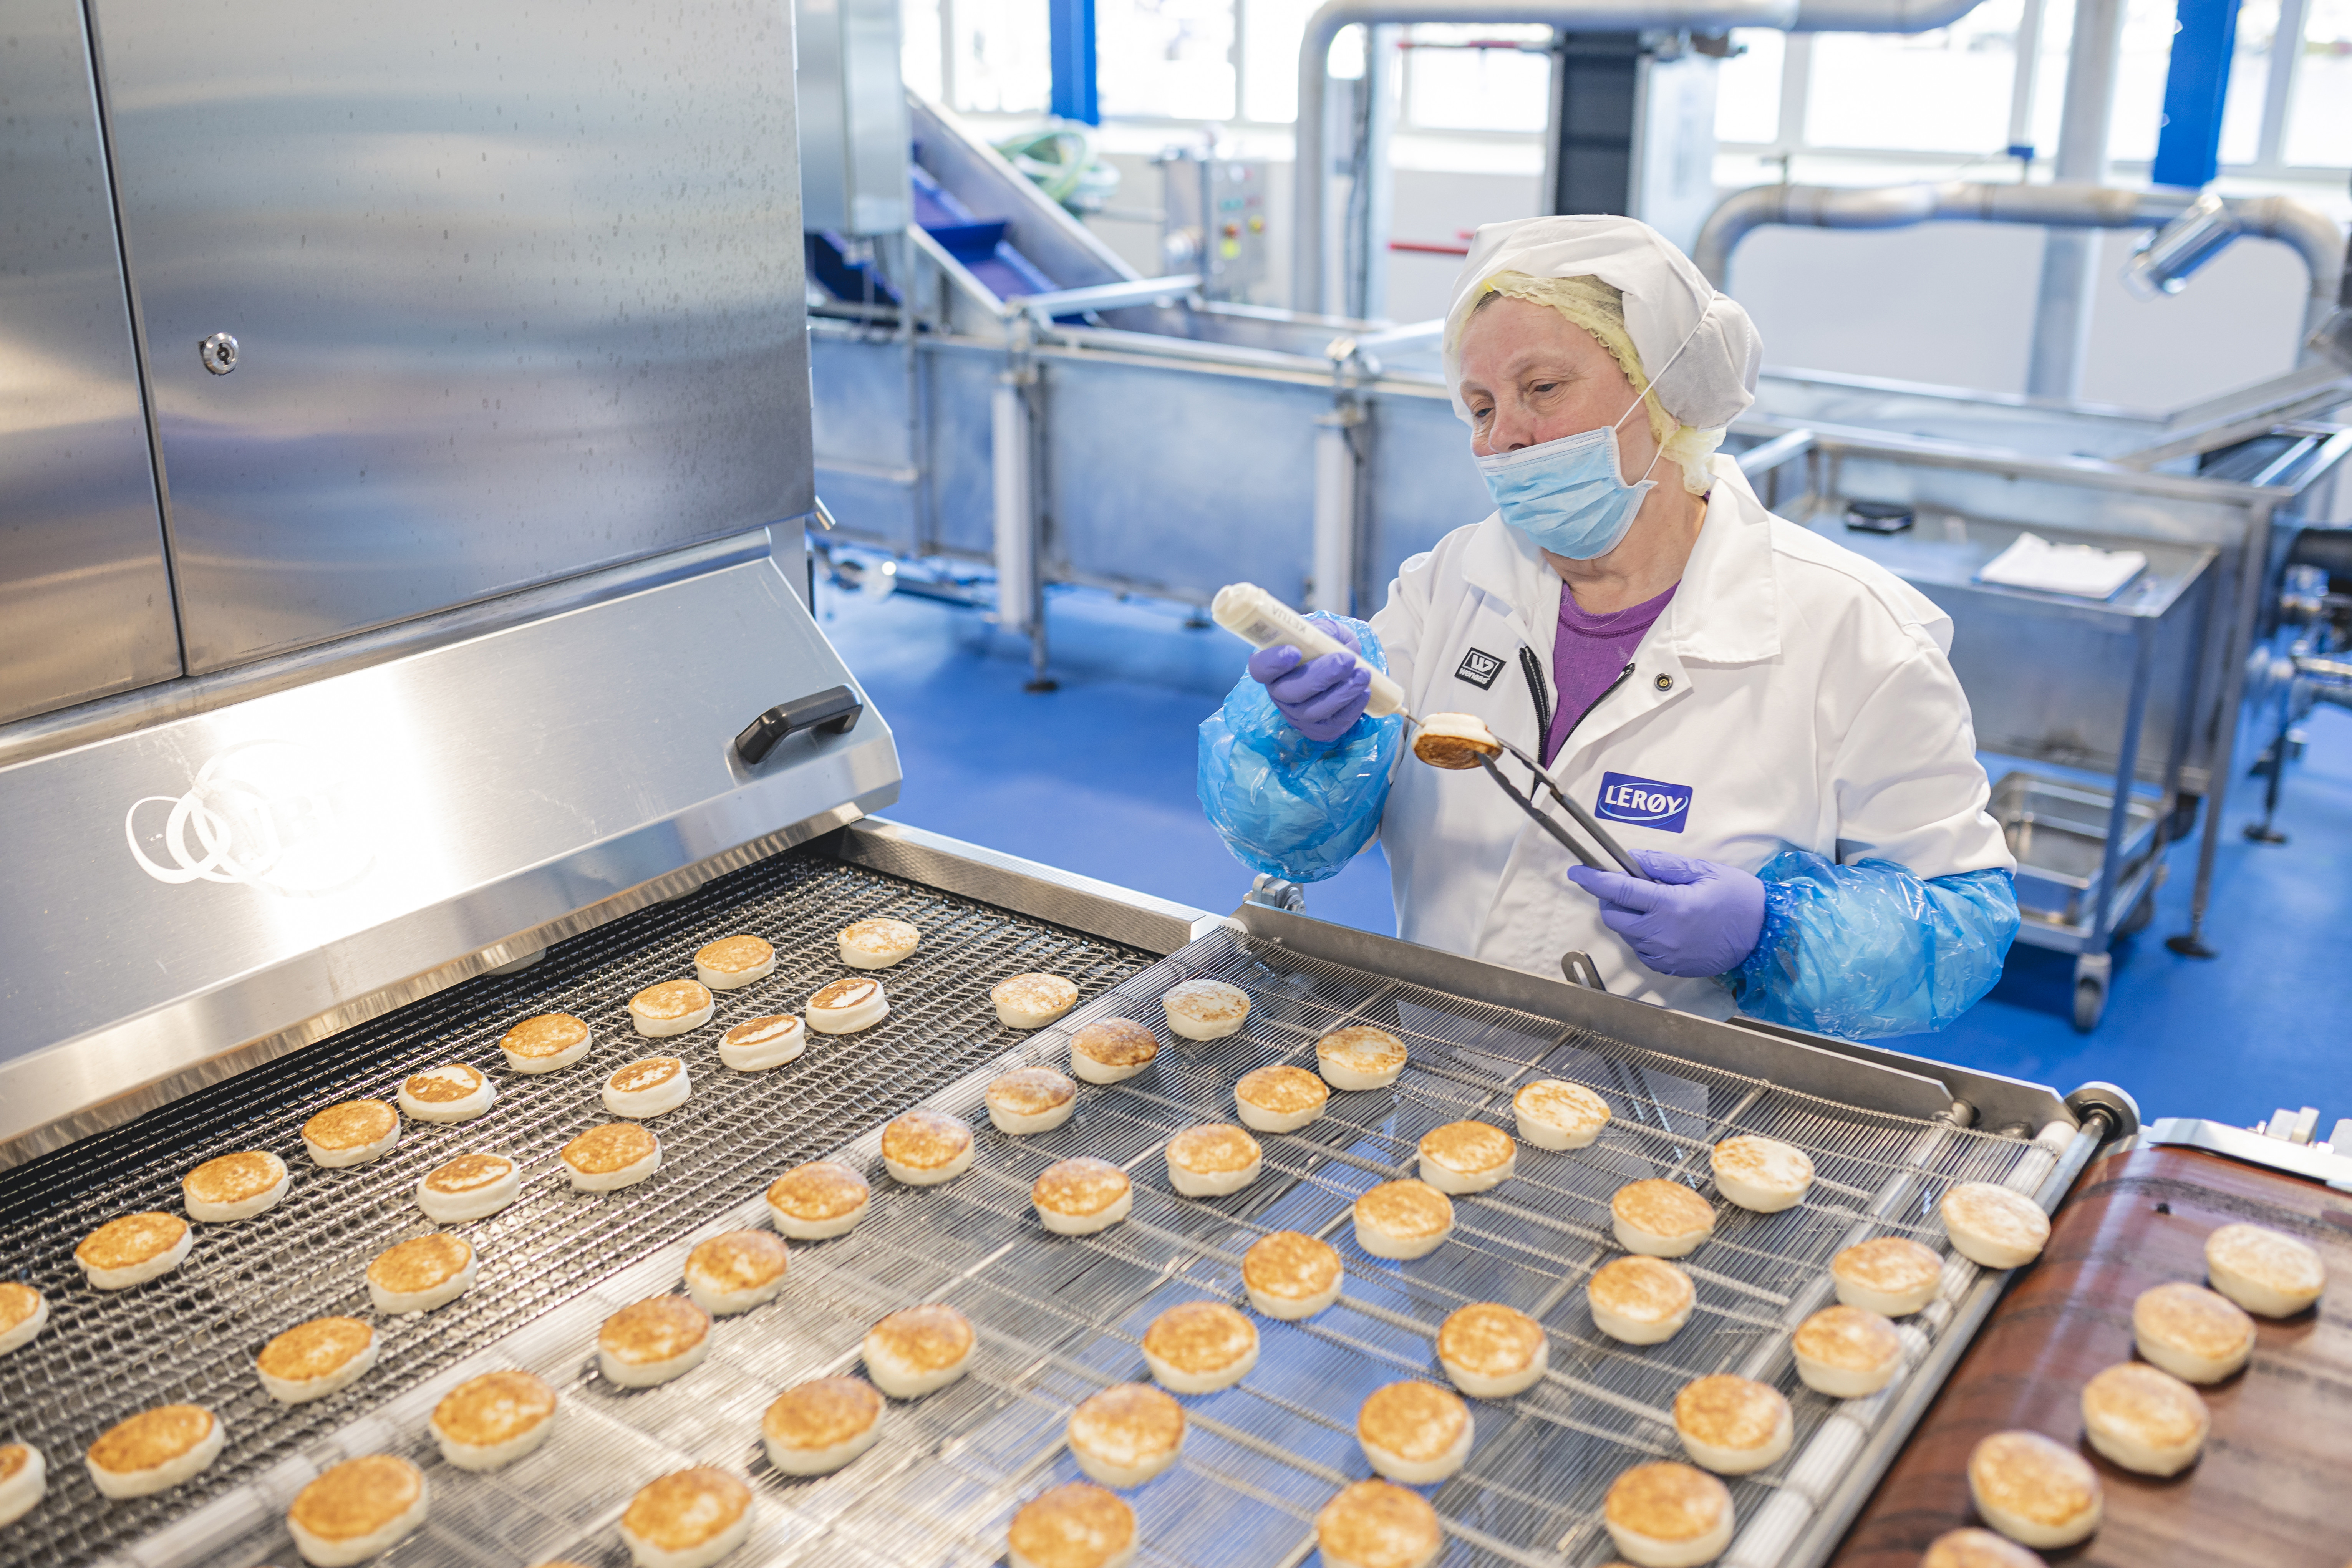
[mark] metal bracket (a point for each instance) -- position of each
(1277, 894)
(1581, 971)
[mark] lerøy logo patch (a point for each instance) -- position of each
(1479, 667)
(1624, 798)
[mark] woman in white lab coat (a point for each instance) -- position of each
(1766, 721)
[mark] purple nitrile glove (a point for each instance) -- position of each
(1700, 917)
(1321, 698)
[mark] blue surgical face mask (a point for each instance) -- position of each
(1569, 496)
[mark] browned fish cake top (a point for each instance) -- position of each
(843, 994)
(2009, 1217)
(1848, 1337)
(496, 1408)
(685, 1508)
(1116, 1042)
(1490, 1340)
(2268, 1256)
(444, 1085)
(1035, 992)
(18, 1302)
(151, 1438)
(2203, 1322)
(1415, 1421)
(1207, 1003)
(658, 1329)
(819, 1191)
(926, 1140)
(319, 1348)
(2027, 1473)
(1290, 1264)
(1073, 1526)
(1729, 1412)
(1668, 1501)
(1892, 1264)
(234, 1178)
(1661, 1207)
(822, 1413)
(548, 1034)
(1214, 1149)
(353, 1124)
(760, 1031)
(358, 1496)
(1562, 1104)
(880, 937)
(1648, 1288)
(420, 1263)
(1378, 1523)
(469, 1173)
(1079, 1186)
(1408, 1209)
(1031, 1091)
(131, 1240)
(734, 954)
(2147, 1401)
(1977, 1549)
(1469, 1147)
(638, 1076)
(1768, 1160)
(738, 1261)
(1282, 1091)
(925, 1338)
(670, 1001)
(1362, 1048)
(1200, 1336)
(1127, 1424)
(14, 1457)
(615, 1146)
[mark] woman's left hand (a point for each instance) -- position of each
(1698, 918)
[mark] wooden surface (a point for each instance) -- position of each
(2274, 1486)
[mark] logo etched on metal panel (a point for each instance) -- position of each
(269, 814)
(1479, 667)
(1624, 798)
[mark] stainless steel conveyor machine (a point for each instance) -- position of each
(433, 655)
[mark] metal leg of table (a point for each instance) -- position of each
(2093, 966)
(2253, 568)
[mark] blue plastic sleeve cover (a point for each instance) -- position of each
(1296, 809)
(1869, 949)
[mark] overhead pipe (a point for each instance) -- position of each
(2311, 234)
(1311, 199)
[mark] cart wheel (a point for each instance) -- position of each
(2092, 971)
(2141, 913)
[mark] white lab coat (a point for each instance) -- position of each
(1792, 695)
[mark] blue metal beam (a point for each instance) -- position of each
(2196, 84)
(1071, 25)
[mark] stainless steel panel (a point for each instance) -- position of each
(2058, 832)
(853, 117)
(85, 597)
(204, 883)
(1421, 483)
(517, 290)
(1214, 470)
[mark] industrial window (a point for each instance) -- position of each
(2319, 119)
(1166, 59)
(1474, 77)
(1945, 91)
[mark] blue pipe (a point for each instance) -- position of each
(2196, 84)
(1071, 28)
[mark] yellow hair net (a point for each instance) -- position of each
(1600, 308)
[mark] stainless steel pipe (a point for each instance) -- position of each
(2311, 234)
(1312, 181)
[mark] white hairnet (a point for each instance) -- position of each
(1666, 300)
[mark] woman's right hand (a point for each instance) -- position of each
(1320, 698)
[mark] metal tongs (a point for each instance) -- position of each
(1550, 824)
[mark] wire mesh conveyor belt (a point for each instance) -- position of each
(1059, 1317)
(191, 1337)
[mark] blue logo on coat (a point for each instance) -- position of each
(1624, 798)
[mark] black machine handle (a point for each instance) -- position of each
(833, 711)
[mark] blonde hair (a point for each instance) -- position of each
(1600, 308)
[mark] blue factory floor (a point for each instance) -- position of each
(1097, 777)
